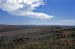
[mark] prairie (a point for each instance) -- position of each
(37, 37)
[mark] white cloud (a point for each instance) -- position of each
(68, 22)
(23, 8)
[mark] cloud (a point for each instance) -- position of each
(68, 22)
(23, 8)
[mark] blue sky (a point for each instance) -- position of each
(63, 12)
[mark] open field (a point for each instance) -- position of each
(37, 37)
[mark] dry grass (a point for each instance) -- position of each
(38, 38)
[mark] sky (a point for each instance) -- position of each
(37, 12)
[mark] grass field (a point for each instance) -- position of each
(37, 37)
